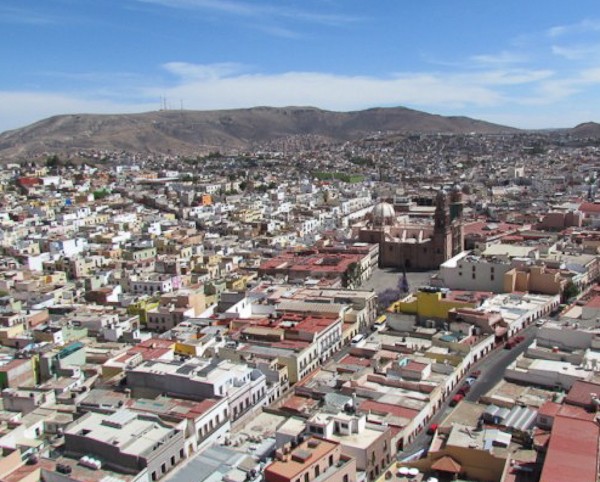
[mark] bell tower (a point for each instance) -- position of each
(442, 212)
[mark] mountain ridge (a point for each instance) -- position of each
(189, 132)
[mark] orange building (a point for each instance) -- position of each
(315, 458)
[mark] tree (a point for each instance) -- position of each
(53, 161)
(101, 194)
(571, 290)
(351, 277)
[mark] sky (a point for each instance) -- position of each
(526, 63)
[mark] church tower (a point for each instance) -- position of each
(448, 229)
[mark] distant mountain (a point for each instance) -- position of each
(585, 130)
(193, 132)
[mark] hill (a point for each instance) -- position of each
(586, 130)
(191, 132)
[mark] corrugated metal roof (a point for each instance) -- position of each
(521, 418)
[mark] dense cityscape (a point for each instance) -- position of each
(419, 307)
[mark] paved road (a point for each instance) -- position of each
(492, 369)
(494, 365)
(384, 278)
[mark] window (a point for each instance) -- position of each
(473, 276)
(460, 273)
(306, 477)
(346, 478)
(173, 460)
(330, 460)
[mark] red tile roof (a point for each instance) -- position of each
(549, 409)
(588, 207)
(581, 394)
(572, 451)
(447, 464)
(385, 408)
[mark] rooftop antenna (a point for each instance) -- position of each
(181, 103)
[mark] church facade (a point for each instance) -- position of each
(417, 246)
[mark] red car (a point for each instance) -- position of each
(476, 374)
(464, 389)
(432, 428)
(456, 399)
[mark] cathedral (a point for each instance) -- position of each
(417, 246)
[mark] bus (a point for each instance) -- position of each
(380, 323)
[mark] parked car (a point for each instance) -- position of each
(358, 340)
(470, 380)
(519, 339)
(464, 389)
(475, 374)
(456, 399)
(432, 428)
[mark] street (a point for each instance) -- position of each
(493, 366)
(492, 369)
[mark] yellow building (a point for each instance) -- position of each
(435, 303)
(55, 278)
(141, 308)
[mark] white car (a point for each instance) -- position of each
(358, 340)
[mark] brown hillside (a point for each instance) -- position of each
(188, 132)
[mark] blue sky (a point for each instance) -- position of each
(530, 64)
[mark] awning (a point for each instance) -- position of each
(447, 464)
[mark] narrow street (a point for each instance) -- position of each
(492, 369)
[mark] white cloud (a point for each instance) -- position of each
(22, 108)
(585, 26)
(211, 91)
(501, 58)
(256, 10)
(187, 71)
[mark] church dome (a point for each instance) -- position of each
(384, 213)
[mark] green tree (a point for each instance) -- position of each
(351, 277)
(571, 290)
(53, 161)
(101, 194)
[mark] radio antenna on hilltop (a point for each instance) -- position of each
(163, 103)
(181, 103)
